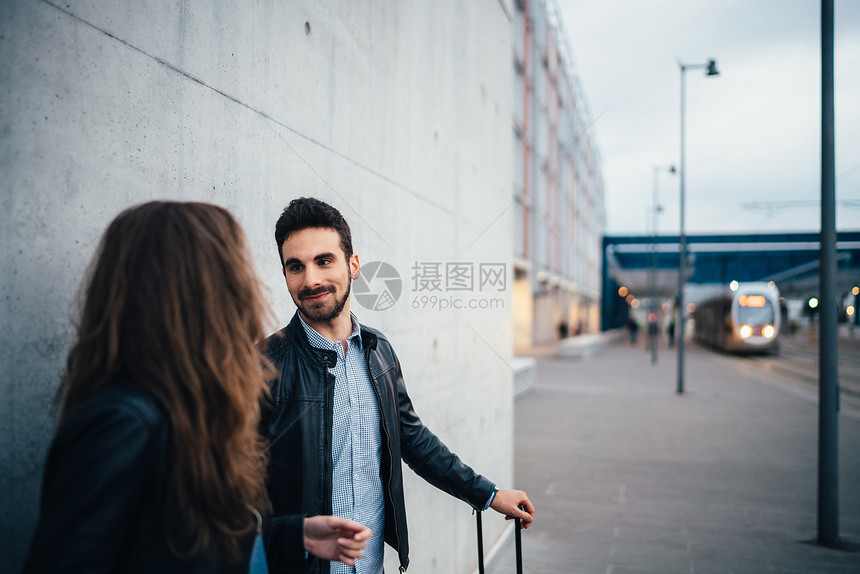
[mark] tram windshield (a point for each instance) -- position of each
(754, 310)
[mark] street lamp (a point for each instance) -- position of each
(711, 70)
(653, 326)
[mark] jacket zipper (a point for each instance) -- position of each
(390, 454)
(328, 409)
(327, 430)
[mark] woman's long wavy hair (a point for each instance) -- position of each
(173, 303)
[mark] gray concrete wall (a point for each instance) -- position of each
(397, 113)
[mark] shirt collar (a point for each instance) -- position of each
(317, 340)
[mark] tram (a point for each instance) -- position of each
(742, 319)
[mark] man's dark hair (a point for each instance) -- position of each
(309, 212)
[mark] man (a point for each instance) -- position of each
(342, 419)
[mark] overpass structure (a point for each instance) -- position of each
(647, 266)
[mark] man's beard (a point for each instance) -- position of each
(317, 312)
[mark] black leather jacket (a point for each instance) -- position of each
(103, 494)
(300, 428)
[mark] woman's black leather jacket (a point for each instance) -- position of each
(104, 489)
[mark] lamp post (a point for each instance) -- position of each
(710, 70)
(653, 326)
(828, 368)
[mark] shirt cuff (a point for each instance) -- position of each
(490, 500)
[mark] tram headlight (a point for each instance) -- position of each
(746, 331)
(767, 331)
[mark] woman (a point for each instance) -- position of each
(157, 465)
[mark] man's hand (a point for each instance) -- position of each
(333, 538)
(507, 502)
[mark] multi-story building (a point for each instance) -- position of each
(559, 215)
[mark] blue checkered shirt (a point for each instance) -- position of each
(356, 447)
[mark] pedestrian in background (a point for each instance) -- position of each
(157, 465)
(563, 329)
(633, 327)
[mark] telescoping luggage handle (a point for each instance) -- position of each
(517, 540)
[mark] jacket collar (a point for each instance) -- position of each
(368, 339)
(310, 353)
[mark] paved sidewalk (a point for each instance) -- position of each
(629, 477)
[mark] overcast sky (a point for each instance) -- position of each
(753, 133)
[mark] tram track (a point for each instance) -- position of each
(797, 361)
